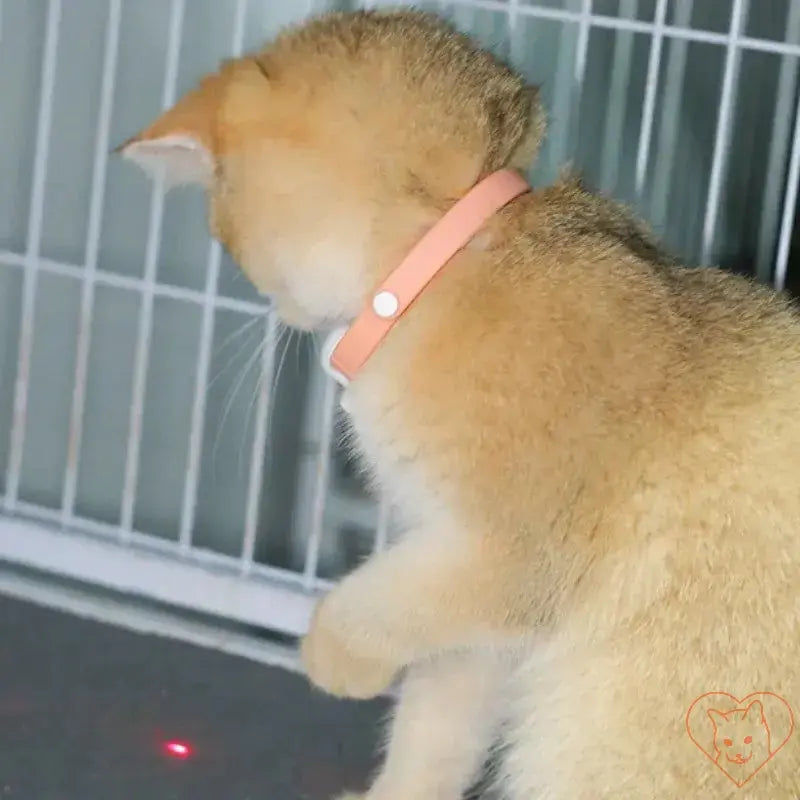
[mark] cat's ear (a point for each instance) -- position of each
(179, 144)
(754, 712)
(717, 717)
(176, 158)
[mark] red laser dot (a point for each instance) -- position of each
(178, 749)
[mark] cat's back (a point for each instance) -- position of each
(576, 352)
(699, 348)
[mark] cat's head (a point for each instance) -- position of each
(740, 733)
(326, 155)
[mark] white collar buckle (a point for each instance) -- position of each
(328, 346)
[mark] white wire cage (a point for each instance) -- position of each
(156, 438)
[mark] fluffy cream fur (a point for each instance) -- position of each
(598, 451)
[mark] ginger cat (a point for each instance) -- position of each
(597, 450)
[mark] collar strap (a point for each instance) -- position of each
(347, 350)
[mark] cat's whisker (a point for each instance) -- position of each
(243, 330)
(231, 397)
(275, 378)
(298, 344)
(251, 406)
(237, 332)
(314, 339)
(286, 335)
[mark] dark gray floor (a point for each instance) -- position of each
(85, 709)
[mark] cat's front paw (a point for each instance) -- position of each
(335, 665)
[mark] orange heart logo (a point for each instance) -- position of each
(740, 736)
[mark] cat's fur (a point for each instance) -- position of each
(598, 450)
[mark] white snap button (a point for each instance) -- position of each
(385, 304)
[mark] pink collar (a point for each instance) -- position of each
(347, 349)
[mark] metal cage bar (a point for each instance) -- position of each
(789, 208)
(142, 357)
(257, 453)
(668, 120)
(618, 100)
(202, 584)
(579, 73)
(31, 261)
(92, 250)
(733, 59)
(781, 142)
(327, 414)
(651, 92)
(679, 31)
(567, 94)
(83, 528)
(192, 477)
(513, 17)
(213, 263)
(117, 281)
